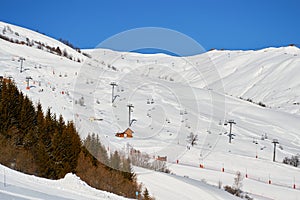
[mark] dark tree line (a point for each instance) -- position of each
(111, 173)
(44, 145)
(52, 145)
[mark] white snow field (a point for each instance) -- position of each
(16, 185)
(172, 97)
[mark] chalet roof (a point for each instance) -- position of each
(129, 129)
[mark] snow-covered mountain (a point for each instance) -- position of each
(172, 97)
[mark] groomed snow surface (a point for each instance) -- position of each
(172, 97)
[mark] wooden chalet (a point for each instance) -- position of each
(126, 134)
(161, 158)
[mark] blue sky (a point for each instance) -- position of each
(228, 24)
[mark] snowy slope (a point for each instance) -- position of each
(268, 75)
(41, 42)
(192, 94)
(180, 187)
(16, 185)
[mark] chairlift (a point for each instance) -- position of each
(148, 101)
(152, 101)
(225, 122)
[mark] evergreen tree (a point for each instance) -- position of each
(127, 170)
(27, 124)
(146, 195)
(5, 113)
(115, 161)
(40, 119)
(94, 146)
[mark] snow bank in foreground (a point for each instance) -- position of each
(19, 186)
